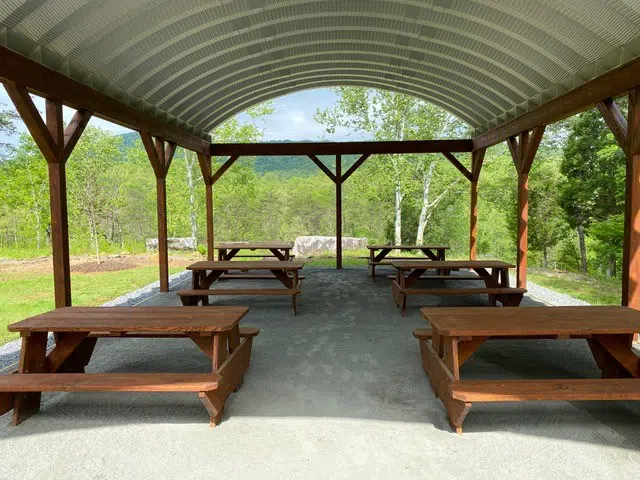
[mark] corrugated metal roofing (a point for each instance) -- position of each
(199, 62)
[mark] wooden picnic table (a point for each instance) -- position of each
(204, 274)
(408, 272)
(456, 333)
(215, 331)
(379, 254)
(279, 250)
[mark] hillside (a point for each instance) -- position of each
(286, 166)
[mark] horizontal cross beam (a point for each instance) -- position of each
(341, 148)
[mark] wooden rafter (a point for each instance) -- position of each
(223, 168)
(323, 167)
(205, 167)
(74, 130)
(477, 160)
(610, 85)
(17, 69)
(456, 163)
(524, 148)
(160, 153)
(355, 166)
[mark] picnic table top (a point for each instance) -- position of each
(133, 319)
(528, 321)
(409, 264)
(254, 245)
(254, 265)
(407, 247)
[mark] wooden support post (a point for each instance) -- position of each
(339, 212)
(523, 151)
(56, 143)
(205, 167)
(160, 156)
(477, 158)
(631, 260)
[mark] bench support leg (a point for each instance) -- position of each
(440, 377)
(32, 360)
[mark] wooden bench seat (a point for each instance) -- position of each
(238, 291)
(465, 291)
(245, 332)
(423, 333)
(534, 390)
(109, 382)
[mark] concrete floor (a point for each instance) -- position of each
(335, 392)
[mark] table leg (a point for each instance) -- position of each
(32, 360)
(278, 254)
(294, 297)
(222, 253)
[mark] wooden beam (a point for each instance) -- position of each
(477, 158)
(339, 212)
(456, 163)
(355, 166)
(223, 168)
(523, 151)
(48, 83)
(610, 85)
(342, 148)
(323, 167)
(205, 168)
(74, 131)
(631, 246)
(163, 249)
(33, 121)
(614, 118)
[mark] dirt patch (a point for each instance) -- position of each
(88, 264)
(110, 265)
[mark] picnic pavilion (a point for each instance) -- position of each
(173, 71)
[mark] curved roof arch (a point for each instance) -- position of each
(202, 61)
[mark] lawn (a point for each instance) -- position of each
(595, 290)
(22, 296)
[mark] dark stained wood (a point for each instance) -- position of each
(534, 390)
(32, 119)
(74, 130)
(616, 121)
(407, 247)
(133, 319)
(160, 156)
(477, 159)
(51, 84)
(59, 233)
(32, 360)
(355, 166)
(223, 168)
(341, 148)
(456, 163)
(320, 164)
(338, 212)
(255, 245)
(109, 382)
(523, 152)
(631, 247)
(205, 167)
(523, 322)
(217, 265)
(451, 264)
(610, 85)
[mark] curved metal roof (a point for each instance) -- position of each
(199, 62)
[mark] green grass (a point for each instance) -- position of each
(595, 290)
(24, 295)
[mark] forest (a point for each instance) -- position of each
(576, 190)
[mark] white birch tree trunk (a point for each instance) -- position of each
(189, 162)
(427, 176)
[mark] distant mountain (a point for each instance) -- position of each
(287, 166)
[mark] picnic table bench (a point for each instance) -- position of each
(215, 331)
(408, 272)
(456, 333)
(204, 274)
(379, 254)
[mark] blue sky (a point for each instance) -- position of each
(291, 120)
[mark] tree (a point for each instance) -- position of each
(595, 171)
(387, 115)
